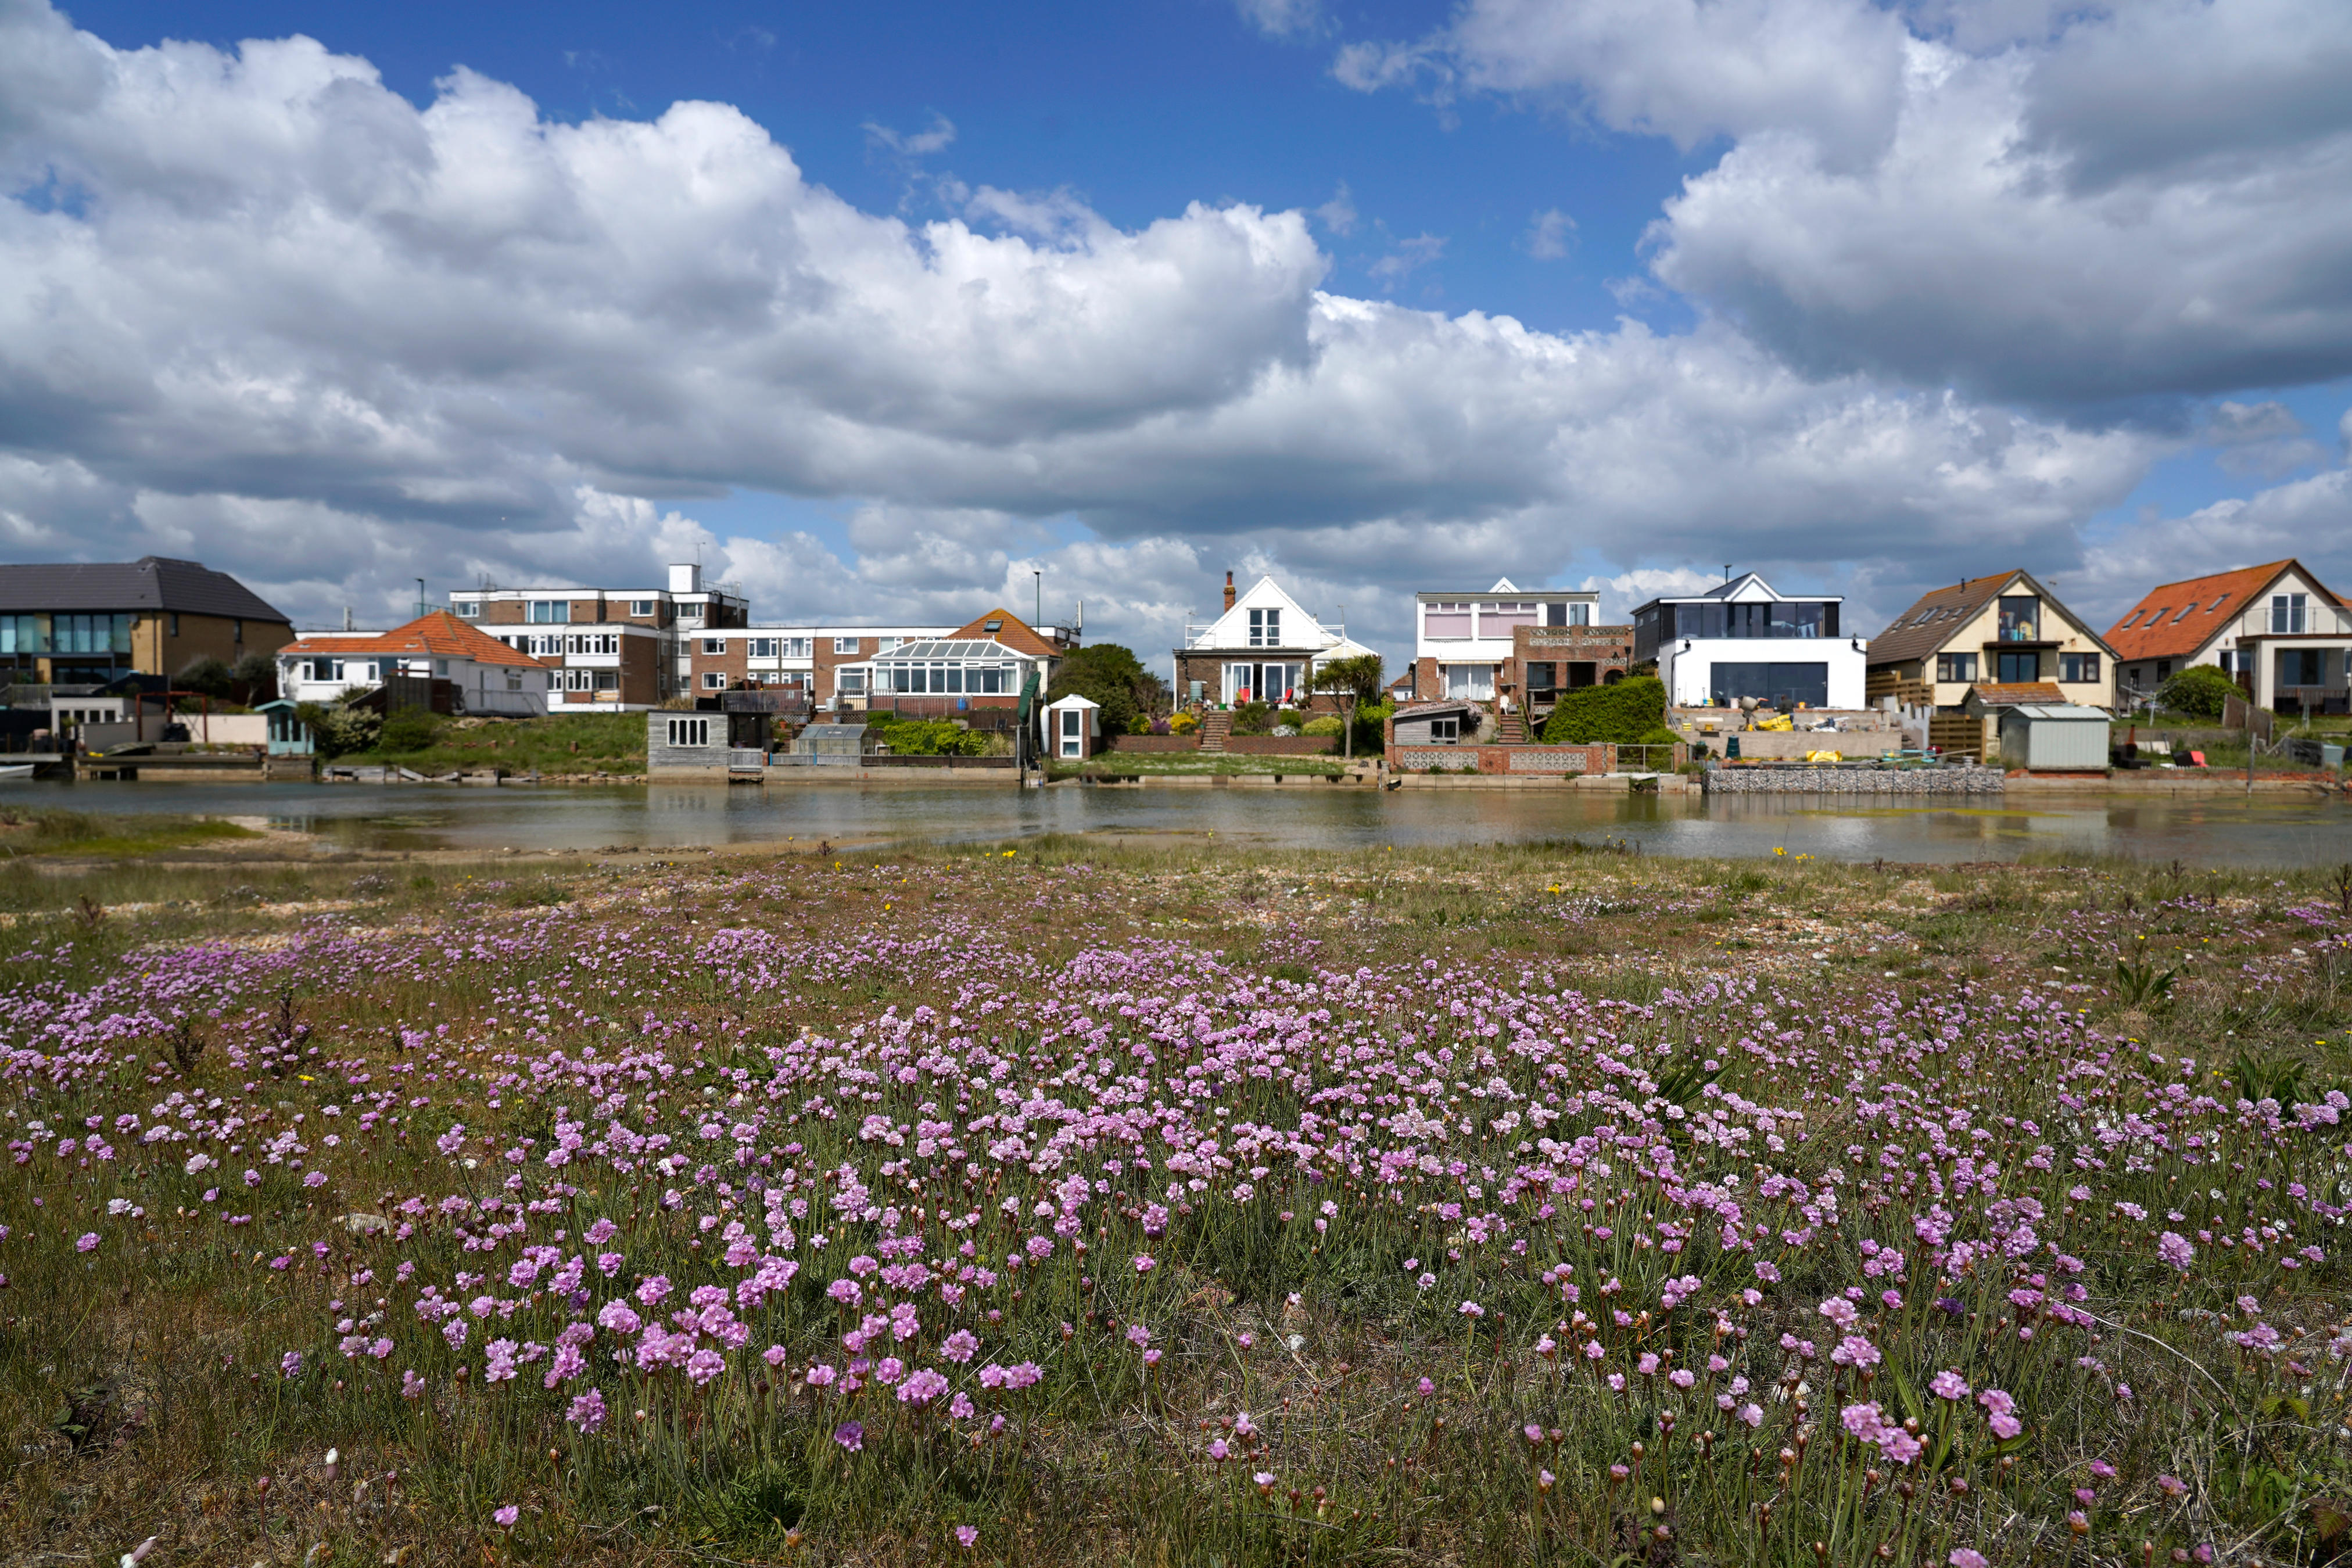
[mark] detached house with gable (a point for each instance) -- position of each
(1263, 648)
(2276, 628)
(1990, 642)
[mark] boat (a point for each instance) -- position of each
(16, 770)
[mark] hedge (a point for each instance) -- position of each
(1624, 714)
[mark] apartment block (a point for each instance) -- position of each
(611, 650)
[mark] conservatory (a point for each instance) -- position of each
(965, 666)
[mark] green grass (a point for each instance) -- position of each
(1175, 764)
(72, 833)
(571, 743)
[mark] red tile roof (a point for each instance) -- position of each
(1014, 634)
(1994, 694)
(439, 635)
(2177, 619)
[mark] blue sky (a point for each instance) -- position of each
(1780, 307)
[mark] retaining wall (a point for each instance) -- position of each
(1856, 781)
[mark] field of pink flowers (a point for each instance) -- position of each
(1052, 1205)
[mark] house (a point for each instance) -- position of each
(974, 672)
(611, 650)
(1513, 646)
(2006, 630)
(1263, 648)
(81, 622)
(2276, 628)
(482, 675)
(1744, 640)
(804, 661)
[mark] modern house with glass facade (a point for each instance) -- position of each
(974, 673)
(85, 623)
(2005, 636)
(1745, 640)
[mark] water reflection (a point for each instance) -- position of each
(2234, 831)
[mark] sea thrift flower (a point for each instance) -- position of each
(850, 1435)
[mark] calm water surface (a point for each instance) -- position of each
(2200, 832)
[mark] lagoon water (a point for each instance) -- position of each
(2232, 831)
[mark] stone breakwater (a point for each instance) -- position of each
(1855, 781)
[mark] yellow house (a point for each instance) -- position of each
(2001, 631)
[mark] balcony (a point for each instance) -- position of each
(2317, 620)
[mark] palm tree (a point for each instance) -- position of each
(1357, 680)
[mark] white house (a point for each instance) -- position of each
(1743, 640)
(1263, 648)
(489, 677)
(2285, 635)
(1465, 641)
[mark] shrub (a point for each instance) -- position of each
(339, 731)
(2197, 692)
(1328, 724)
(1253, 719)
(411, 729)
(928, 737)
(1624, 714)
(1185, 724)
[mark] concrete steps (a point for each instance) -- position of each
(1214, 728)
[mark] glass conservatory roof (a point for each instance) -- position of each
(967, 648)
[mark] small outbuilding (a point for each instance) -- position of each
(1073, 729)
(1436, 724)
(2055, 737)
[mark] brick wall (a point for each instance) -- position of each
(1155, 743)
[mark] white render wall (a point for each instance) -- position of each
(1690, 676)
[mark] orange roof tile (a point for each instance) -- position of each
(2175, 621)
(1014, 634)
(438, 635)
(1994, 694)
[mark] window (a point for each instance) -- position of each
(714, 680)
(1541, 677)
(1262, 683)
(1501, 620)
(2164, 669)
(993, 625)
(2219, 601)
(1956, 667)
(469, 609)
(1265, 627)
(608, 680)
(175, 623)
(441, 668)
(2184, 613)
(237, 632)
(689, 732)
(850, 682)
(2078, 667)
(2125, 624)
(1473, 683)
(2016, 669)
(2302, 666)
(1446, 620)
(714, 644)
(548, 611)
(690, 612)
(643, 607)
(2020, 619)
(1445, 731)
(1781, 685)
(514, 679)
(845, 644)
(2287, 612)
(797, 647)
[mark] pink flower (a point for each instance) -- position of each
(1144, 1263)
(2005, 1426)
(966, 1536)
(850, 1435)
(88, 1242)
(1949, 1385)
(507, 1516)
(960, 1346)
(587, 1412)
(1966, 1557)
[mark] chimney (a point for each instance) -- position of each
(1229, 590)
(685, 578)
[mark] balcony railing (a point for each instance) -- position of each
(2317, 620)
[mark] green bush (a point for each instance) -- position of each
(340, 730)
(1253, 719)
(2197, 692)
(1329, 724)
(410, 729)
(928, 737)
(1624, 714)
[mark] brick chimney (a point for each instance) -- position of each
(1229, 590)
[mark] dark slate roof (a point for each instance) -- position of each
(151, 583)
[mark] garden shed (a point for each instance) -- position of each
(2055, 737)
(1437, 723)
(1073, 729)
